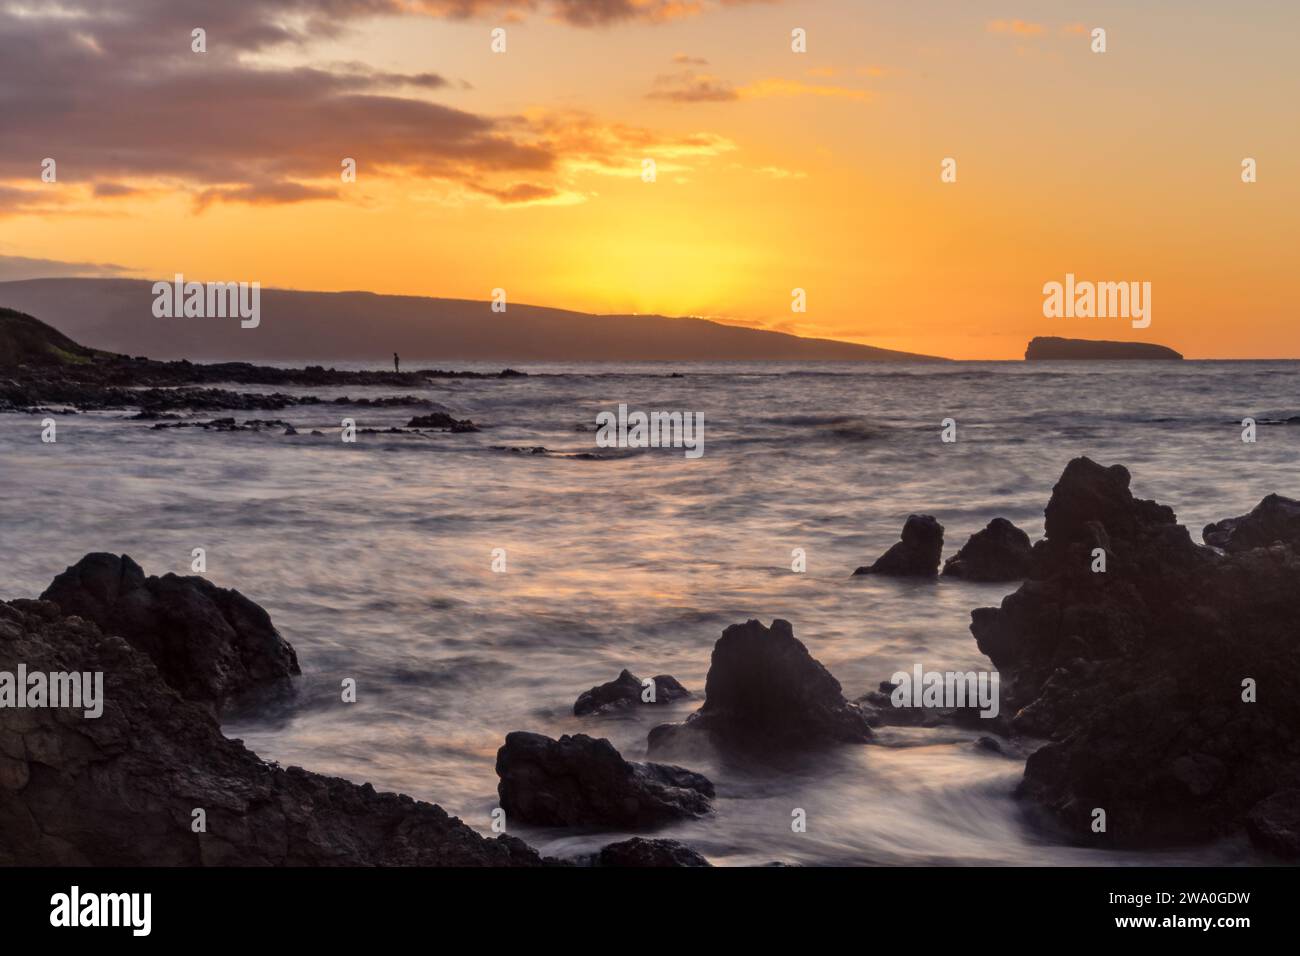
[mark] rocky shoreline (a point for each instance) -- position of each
(1163, 691)
(42, 371)
(134, 786)
(1151, 683)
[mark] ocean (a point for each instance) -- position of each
(375, 560)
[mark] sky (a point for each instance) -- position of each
(775, 170)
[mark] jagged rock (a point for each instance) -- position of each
(210, 643)
(625, 692)
(1274, 519)
(1274, 823)
(998, 553)
(916, 555)
(1088, 492)
(121, 789)
(1138, 675)
(764, 691)
(584, 781)
(642, 853)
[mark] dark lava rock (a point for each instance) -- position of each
(1274, 519)
(209, 643)
(641, 853)
(230, 425)
(1274, 823)
(121, 789)
(917, 555)
(582, 781)
(442, 421)
(998, 553)
(765, 691)
(1136, 675)
(625, 692)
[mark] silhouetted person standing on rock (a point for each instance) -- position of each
(397, 363)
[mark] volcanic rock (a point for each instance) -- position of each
(124, 789)
(916, 555)
(764, 691)
(1168, 685)
(640, 852)
(209, 643)
(1274, 519)
(625, 692)
(998, 553)
(442, 420)
(584, 781)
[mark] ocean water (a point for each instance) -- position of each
(374, 560)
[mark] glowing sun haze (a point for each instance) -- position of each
(775, 169)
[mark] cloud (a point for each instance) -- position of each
(692, 88)
(114, 93)
(263, 194)
(113, 191)
(685, 60)
(530, 194)
(362, 75)
(688, 87)
(138, 104)
(20, 200)
(1020, 28)
(579, 13)
(617, 149)
(13, 268)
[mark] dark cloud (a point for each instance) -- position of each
(116, 93)
(112, 91)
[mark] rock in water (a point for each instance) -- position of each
(625, 692)
(121, 789)
(210, 643)
(917, 555)
(765, 691)
(642, 853)
(442, 420)
(998, 553)
(1168, 685)
(582, 781)
(1274, 519)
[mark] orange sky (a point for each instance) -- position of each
(776, 170)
